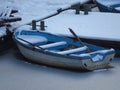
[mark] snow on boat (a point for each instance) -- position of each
(108, 5)
(53, 50)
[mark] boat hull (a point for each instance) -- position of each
(105, 8)
(63, 62)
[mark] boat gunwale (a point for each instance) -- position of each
(50, 53)
(55, 54)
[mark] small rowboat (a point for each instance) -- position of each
(108, 5)
(57, 51)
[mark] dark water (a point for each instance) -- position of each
(16, 74)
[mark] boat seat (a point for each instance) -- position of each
(73, 50)
(54, 44)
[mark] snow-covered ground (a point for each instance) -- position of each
(95, 25)
(35, 9)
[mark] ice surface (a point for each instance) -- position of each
(16, 74)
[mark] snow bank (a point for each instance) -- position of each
(35, 9)
(104, 26)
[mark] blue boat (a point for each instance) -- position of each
(108, 5)
(58, 51)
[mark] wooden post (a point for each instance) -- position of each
(77, 10)
(42, 25)
(86, 9)
(33, 25)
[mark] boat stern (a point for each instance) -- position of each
(100, 59)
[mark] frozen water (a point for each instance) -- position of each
(16, 74)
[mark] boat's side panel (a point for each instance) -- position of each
(62, 61)
(50, 60)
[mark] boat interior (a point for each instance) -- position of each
(61, 45)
